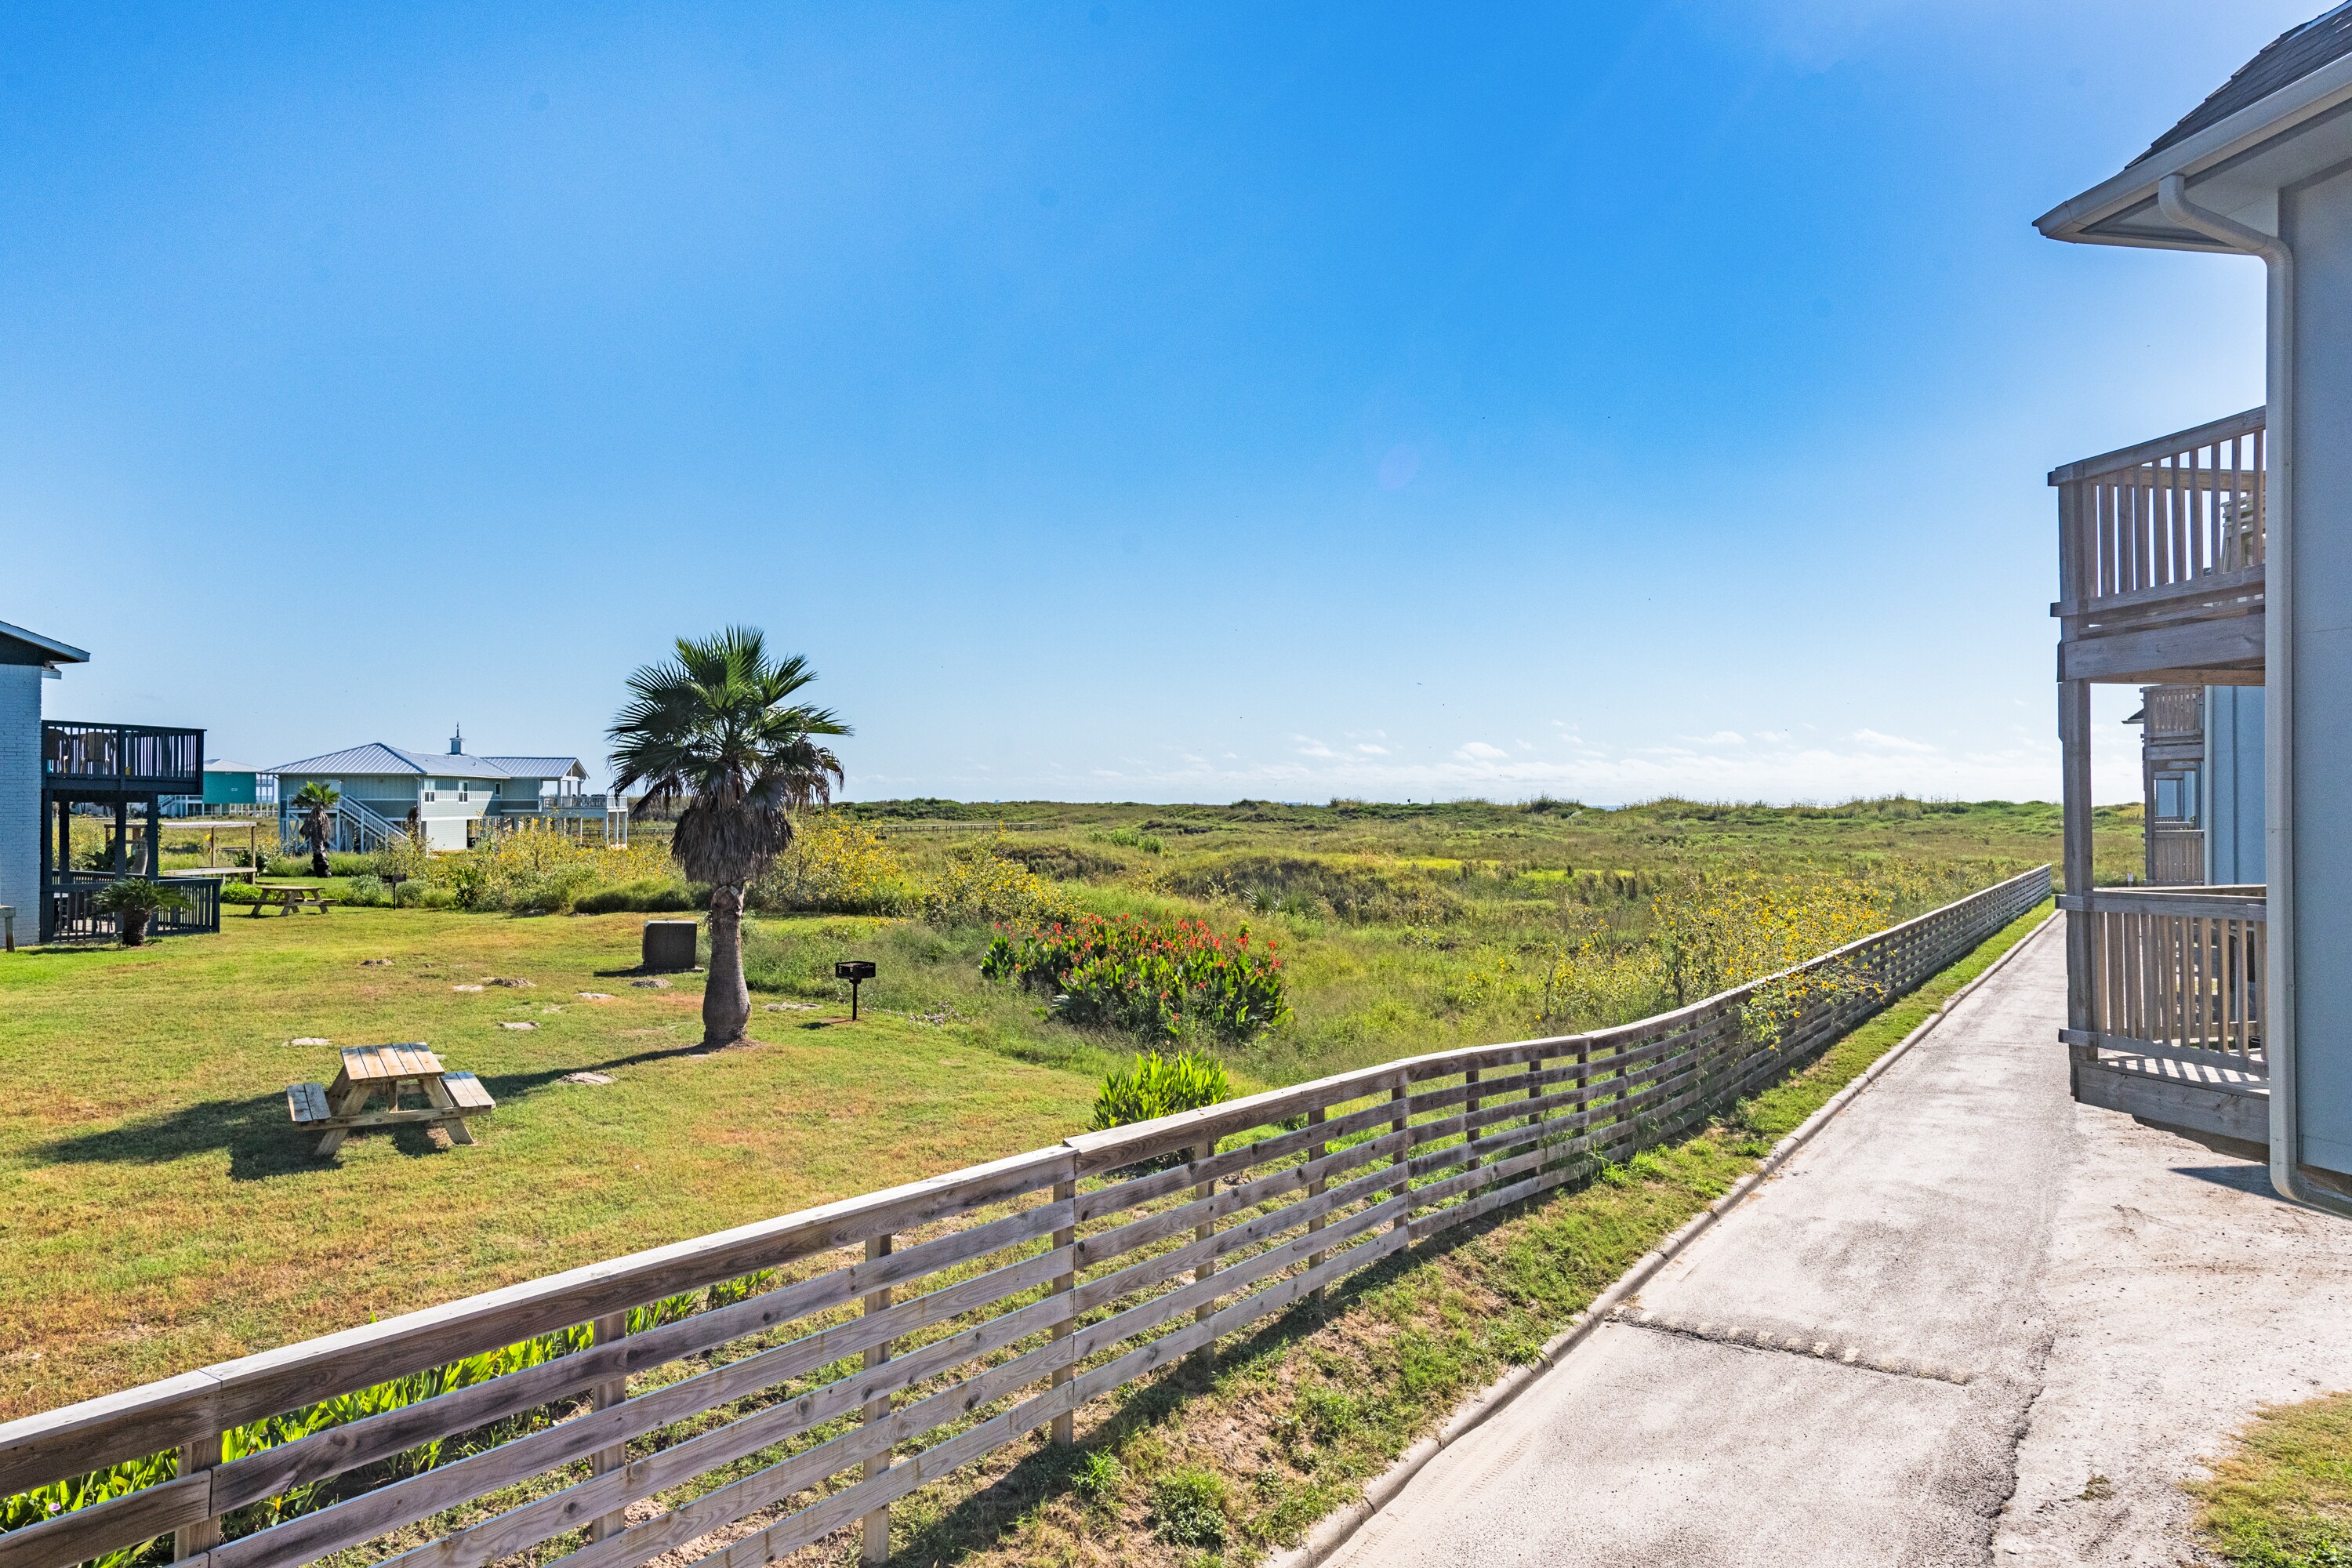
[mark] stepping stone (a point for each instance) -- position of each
(510, 1024)
(791, 1006)
(650, 984)
(588, 1078)
(309, 1040)
(375, 963)
(522, 983)
(595, 995)
(465, 988)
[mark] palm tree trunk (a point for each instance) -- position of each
(726, 1000)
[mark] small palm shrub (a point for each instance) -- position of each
(1152, 1086)
(133, 901)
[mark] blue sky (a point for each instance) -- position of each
(1112, 401)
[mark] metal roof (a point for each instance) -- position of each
(376, 757)
(51, 650)
(222, 765)
(2287, 59)
(539, 767)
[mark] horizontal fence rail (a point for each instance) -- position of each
(2176, 976)
(2182, 514)
(734, 1397)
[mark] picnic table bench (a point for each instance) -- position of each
(291, 895)
(338, 1110)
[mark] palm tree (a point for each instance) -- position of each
(716, 727)
(316, 800)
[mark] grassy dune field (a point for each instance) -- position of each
(158, 1213)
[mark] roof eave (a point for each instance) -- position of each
(58, 652)
(2259, 122)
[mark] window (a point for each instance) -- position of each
(2176, 798)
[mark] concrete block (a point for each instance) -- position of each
(670, 944)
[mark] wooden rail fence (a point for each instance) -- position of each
(848, 1354)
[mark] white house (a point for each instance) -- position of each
(27, 658)
(2222, 557)
(448, 794)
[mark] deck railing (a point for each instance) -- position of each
(2178, 976)
(2182, 514)
(72, 914)
(129, 758)
(788, 1379)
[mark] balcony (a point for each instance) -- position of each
(2160, 559)
(120, 762)
(2165, 988)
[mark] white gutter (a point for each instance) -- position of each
(2278, 678)
(2296, 103)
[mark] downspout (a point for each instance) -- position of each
(2278, 677)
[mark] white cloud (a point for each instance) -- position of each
(1892, 743)
(1480, 751)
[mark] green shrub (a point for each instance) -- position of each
(366, 888)
(1188, 1509)
(1152, 1086)
(1150, 978)
(352, 865)
(652, 897)
(1357, 893)
(836, 866)
(1098, 1476)
(980, 884)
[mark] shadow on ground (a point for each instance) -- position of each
(261, 1141)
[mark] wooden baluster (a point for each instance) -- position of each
(604, 1396)
(1066, 1424)
(875, 1545)
(193, 1540)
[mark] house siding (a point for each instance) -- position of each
(2317, 222)
(20, 794)
(2233, 786)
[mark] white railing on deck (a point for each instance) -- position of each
(2181, 513)
(2178, 976)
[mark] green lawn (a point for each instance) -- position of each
(2283, 1497)
(157, 1212)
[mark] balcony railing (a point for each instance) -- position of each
(2175, 982)
(121, 759)
(70, 909)
(2181, 515)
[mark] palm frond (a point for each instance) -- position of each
(715, 725)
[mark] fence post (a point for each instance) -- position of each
(875, 1546)
(1469, 1110)
(604, 1396)
(1066, 1424)
(1206, 1357)
(1316, 1151)
(1399, 1123)
(192, 1540)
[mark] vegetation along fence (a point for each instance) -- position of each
(739, 1395)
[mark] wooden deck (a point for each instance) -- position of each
(2161, 550)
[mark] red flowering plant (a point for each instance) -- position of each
(1147, 977)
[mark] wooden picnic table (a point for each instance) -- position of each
(291, 895)
(340, 1109)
